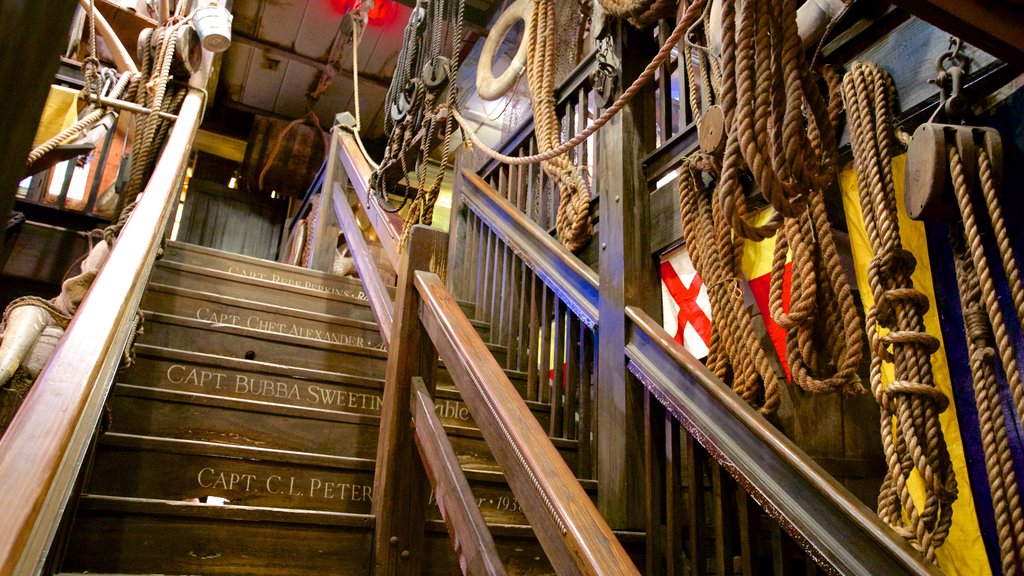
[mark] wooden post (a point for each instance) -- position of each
(32, 35)
(400, 486)
(628, 277)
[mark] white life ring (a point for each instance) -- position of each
(487, 86)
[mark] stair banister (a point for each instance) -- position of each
(376, 292)
(824, 517)
(42, 452)
(572, 532)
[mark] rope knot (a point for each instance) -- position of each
(906, 388)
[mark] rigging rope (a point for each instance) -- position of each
(989, 344)
(916, 440)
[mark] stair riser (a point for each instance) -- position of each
(154, 544)
(281, 390)
(252, 345)
(357, 439)
(136, 473)
(263, 270)
(354, 334)
(350, 303)
(162, 419)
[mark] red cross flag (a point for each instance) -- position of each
(685, 304)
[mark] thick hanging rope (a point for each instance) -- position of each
(990, 347)
(640, 13)
(916, 440)
(689, 17)
(736, 354)
(572, 221)
(778, 129)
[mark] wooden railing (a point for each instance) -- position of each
(42, 452)
(428, 323)
(724, 437)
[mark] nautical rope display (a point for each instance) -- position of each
(735, 354)
(572, 222)
(915, 440)
(989, 344)
(640, 13)
(778, 128)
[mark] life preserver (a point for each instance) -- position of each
(487, 86)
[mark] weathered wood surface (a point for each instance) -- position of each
(250, 381)
(42, 451)
(268, 270)
(381, 300)
(456, 501)
(223, 339)
(168, 537)
(254, 315)
(573, 534)
(400, 481)
(348, 302)
(628, 277)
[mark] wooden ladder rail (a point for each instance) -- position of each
(42, 453)
(426, 322)
(823, 517)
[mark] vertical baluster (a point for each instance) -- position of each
(586, 441)
(664, 101)
(696, 462)
(675, 511)
(543, 375)
(500, 302)
(502, 180)
(469, 263)
(515, 305)
(495, 302)
(525, 282)
(572, 376)
(654, 463)
(558, 370)
(746, 512)
(581, 125)
(533, 359)
(684, 80)
(532, 187)
(521, 185)
(721, 516)
(484, 295)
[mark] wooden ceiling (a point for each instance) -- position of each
(281, 48)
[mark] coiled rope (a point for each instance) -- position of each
(735, 353)
(916, 440)
(779, 129)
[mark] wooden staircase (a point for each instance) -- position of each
(242, 441)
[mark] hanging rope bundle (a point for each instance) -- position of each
(916, 440)
(572, 222)
(778, 128)
(989, 345)
(640, 13)
(735, 353)
(155, 92)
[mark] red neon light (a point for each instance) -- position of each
(377, 15)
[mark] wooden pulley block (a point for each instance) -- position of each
(435, 72)
(928, 191)
(711, 133)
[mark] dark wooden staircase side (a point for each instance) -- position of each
(243, 439)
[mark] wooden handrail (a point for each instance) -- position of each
(572, 532)
(388, 225)
(574, 282)
(825, 518)
(43, 450)
(470, 537)
(376, 291)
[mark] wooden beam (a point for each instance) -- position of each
(400, 483)
(32, 36)
(321, 65)
(627, 278)
(995, 27)
(220, 145)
